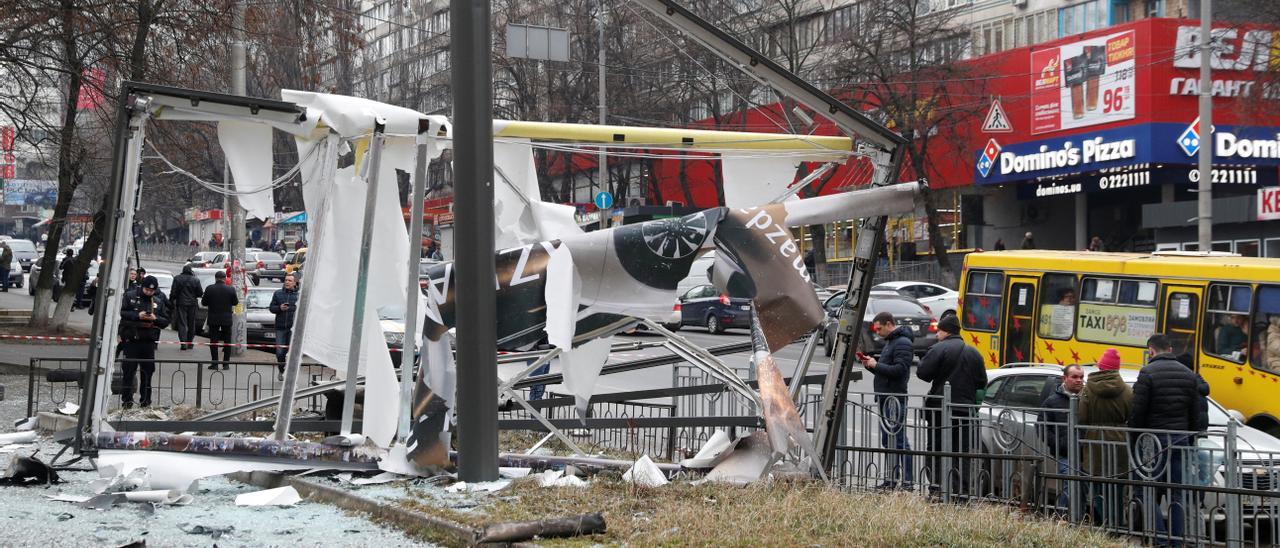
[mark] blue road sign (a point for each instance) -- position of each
(604, 200)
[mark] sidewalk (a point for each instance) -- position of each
(18, 354)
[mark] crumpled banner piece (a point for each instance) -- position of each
(562, 295)
(581, 367)
(280, 496)
(247, 148)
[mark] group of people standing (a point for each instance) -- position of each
(1167, 396)
(950, 360)
(146, 311)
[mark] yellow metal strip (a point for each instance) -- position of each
(668, 137)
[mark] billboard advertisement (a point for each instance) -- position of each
(27, 192)
(1084, 83)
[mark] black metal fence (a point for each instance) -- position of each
(51, 382)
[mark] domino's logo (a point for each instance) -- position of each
(1189, 140)
(988, 158)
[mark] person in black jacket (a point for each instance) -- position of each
(220, 298)
(1052, 425)
(891, 372)
(142, 316)
(1168, 396)
(185, 297)
(952, 361)
(284, 305)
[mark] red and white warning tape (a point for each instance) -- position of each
(196, 343)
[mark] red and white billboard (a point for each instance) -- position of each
(1083, 83)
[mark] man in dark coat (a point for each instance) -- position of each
(1167, 396)
(1053, 425)
(891, 372)
(952, 361)
(220, 299)
(142, 316)
(6, 260)
(284, 304)
(185, 297)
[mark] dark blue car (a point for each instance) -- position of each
(704, 305)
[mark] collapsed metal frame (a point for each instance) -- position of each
(886, 150)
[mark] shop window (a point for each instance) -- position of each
(1226, 322)
(1117, 311)
(1058, 306)
(1247, 248)
(1272, 247)
(1224, 246)
(1266, 329)
(983, 295)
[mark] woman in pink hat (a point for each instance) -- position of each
(1105, 401)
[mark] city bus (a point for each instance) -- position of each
(1222, 312)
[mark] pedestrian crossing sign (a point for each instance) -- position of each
(997, 121)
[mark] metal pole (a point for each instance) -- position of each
(603, 161)
(355, 348)
(411, 289)
(1205, 197)
(293, 360)
(235, 243)
(473, 263)
(1073, 461)
(126, 157)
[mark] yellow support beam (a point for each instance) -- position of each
(640, 137)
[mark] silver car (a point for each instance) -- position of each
(1011, 429)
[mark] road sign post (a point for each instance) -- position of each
(603, 201)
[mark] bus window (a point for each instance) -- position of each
(1180, 321)
(1226, 321)
(1116, 311)
(1266, 329)
(1058, 306)
(982, 300)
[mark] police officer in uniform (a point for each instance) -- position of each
(142, 316)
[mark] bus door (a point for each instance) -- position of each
(1181, 313)
(1019, 331)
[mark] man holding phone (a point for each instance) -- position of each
(284, 304)
(891, 373)
(142, 315)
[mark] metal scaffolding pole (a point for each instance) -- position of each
(473, 264)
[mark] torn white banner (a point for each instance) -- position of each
(581, 367)
(645, 474)
(562, 295)
(179, 470)
(280, 496)
(247, 148)
(755, 181)
(171, 497)
(520, 216)
(18, 437)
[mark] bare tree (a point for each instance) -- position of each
(900, 61)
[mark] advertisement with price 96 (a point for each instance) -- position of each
(1083, 84)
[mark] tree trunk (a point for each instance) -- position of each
(931, 216)
(68, 179)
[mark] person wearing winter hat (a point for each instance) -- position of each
(1105, 401)
(950, 360)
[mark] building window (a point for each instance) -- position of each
(1083, 17)
(1247, 248)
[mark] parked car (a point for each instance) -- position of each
(164, 278)
(704, 305)
(1016, 386)
(906, 312)
(201, 259)
(90, 275)
(940, 300)
(266, 265)
(391, 317)
(260, 322)
(25, 253)
(294, 260)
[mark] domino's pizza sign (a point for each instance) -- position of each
(987, 159)
(1189, 140)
